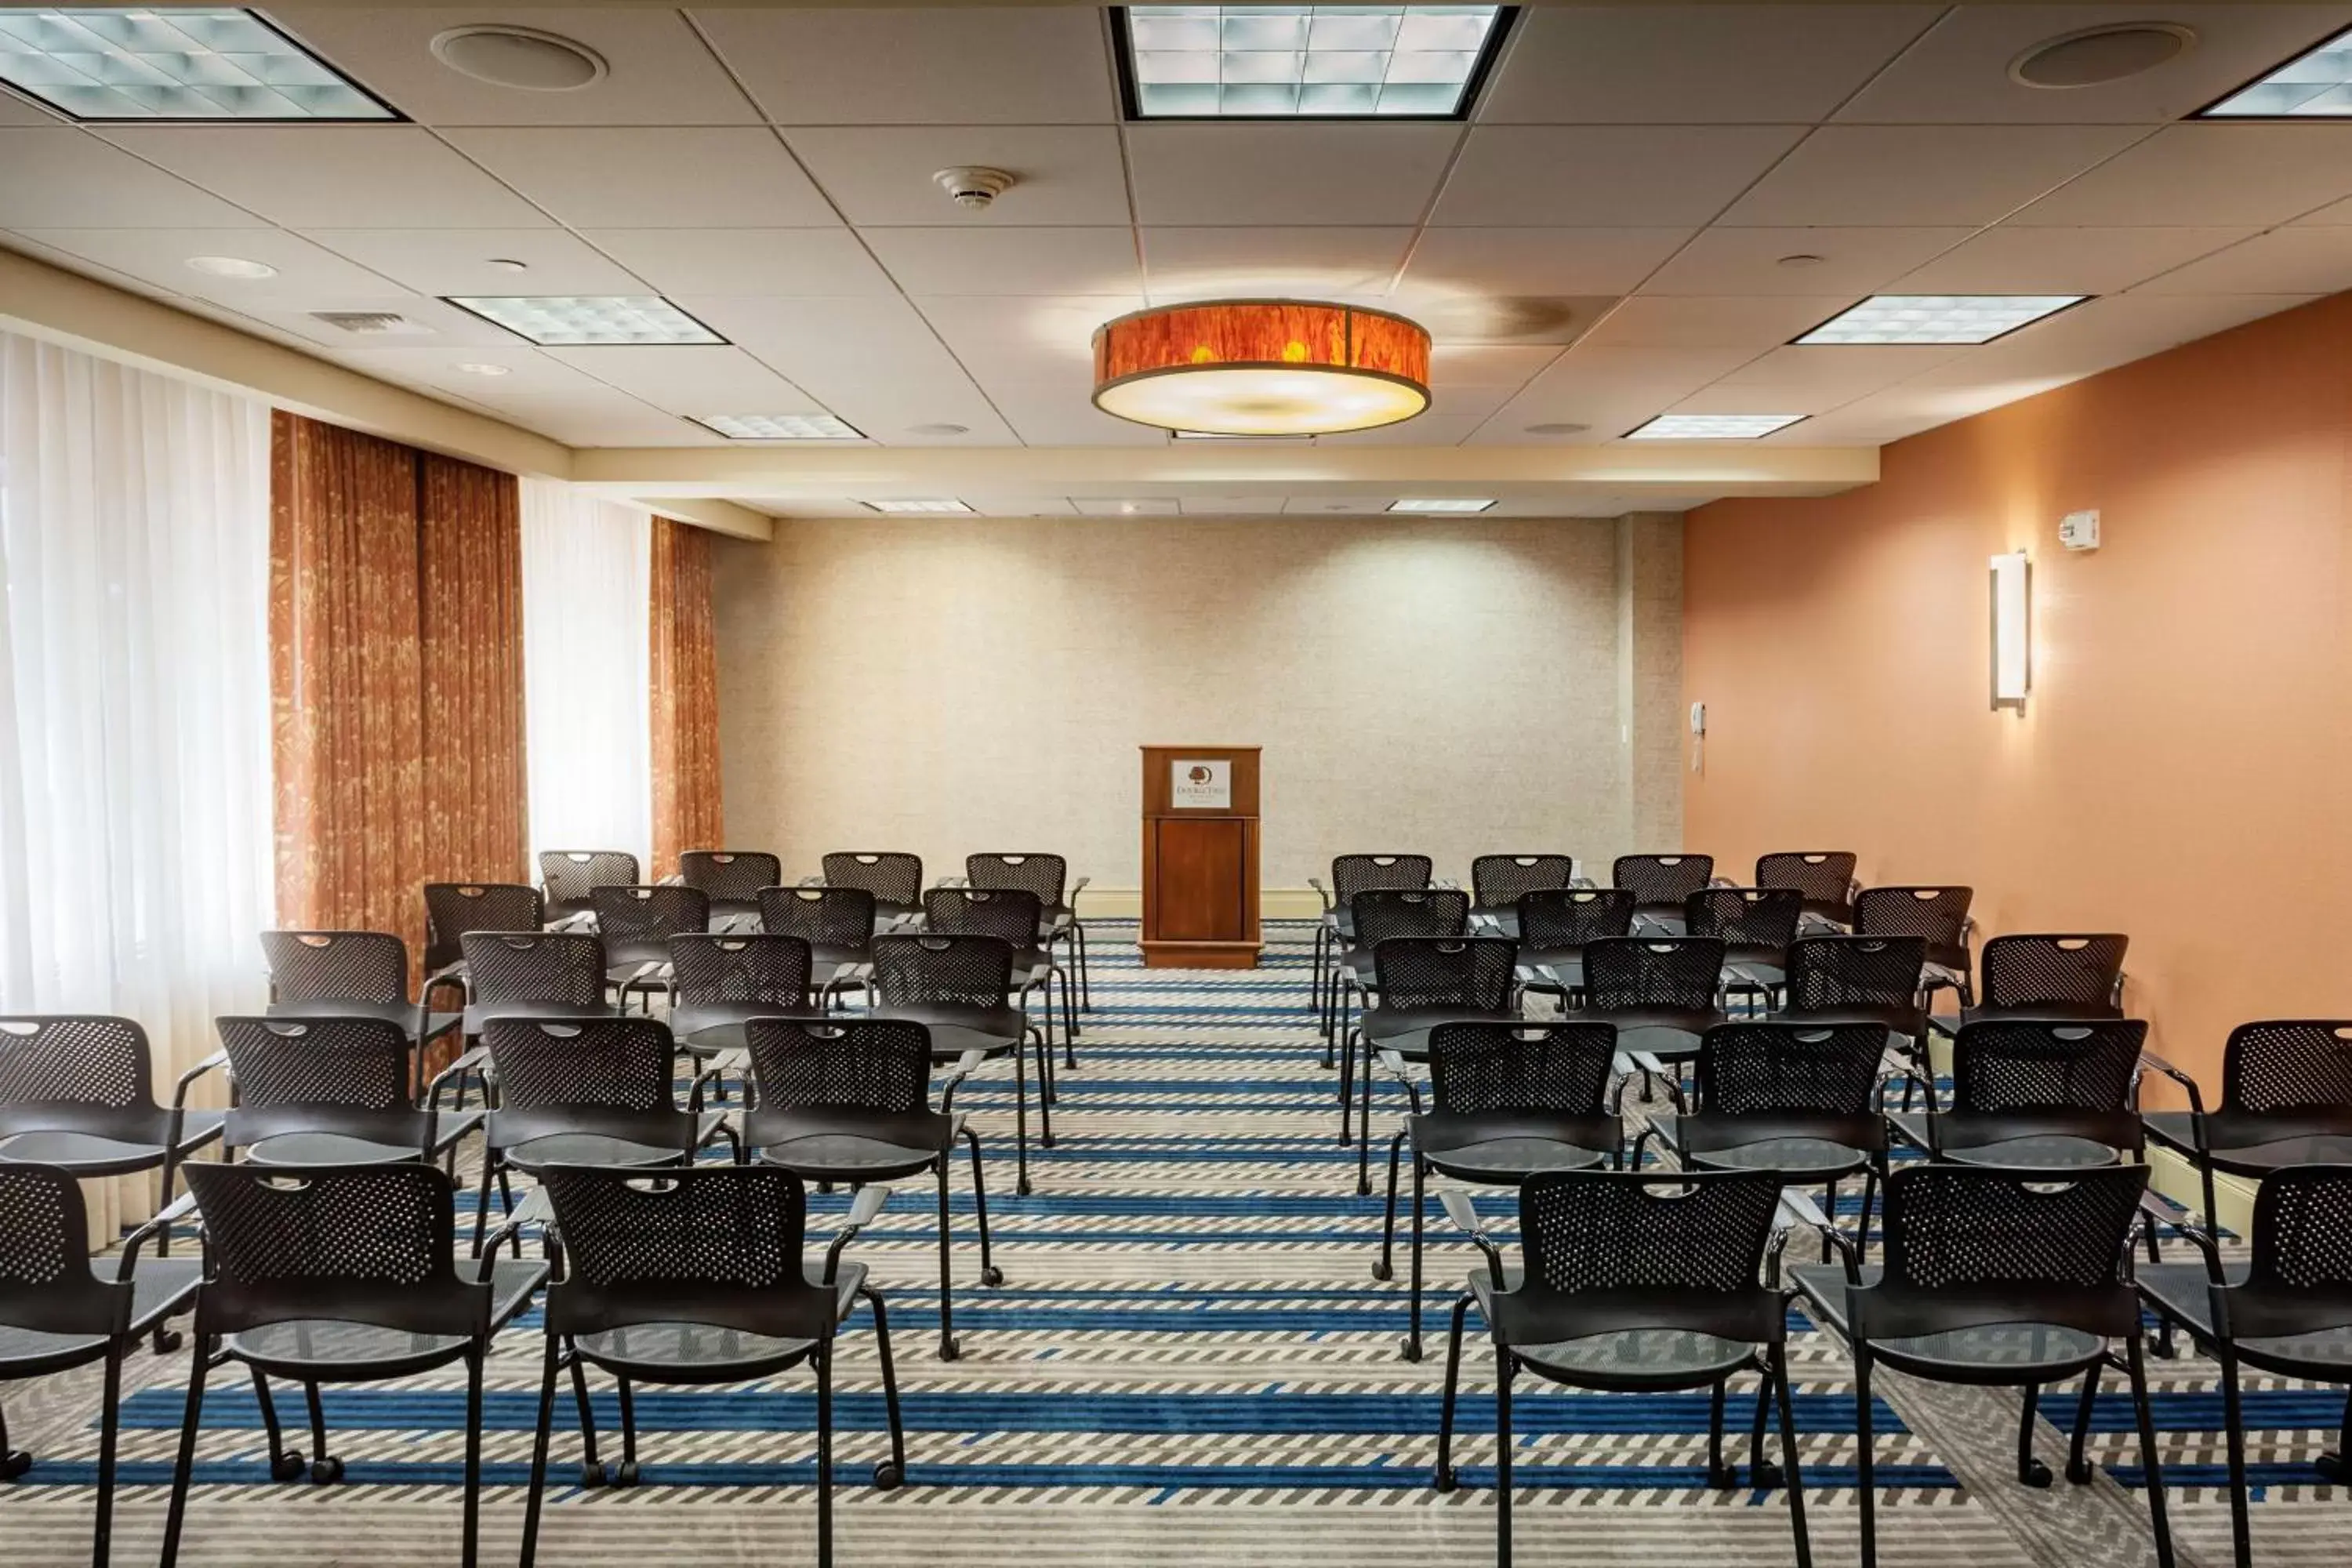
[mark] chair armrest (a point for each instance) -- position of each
(1584, 882)
(862, 1212)
(1465, 1216)
(1080, 886)
(710, 1074)
(534, 1209)
(177, 1209)
(1798, 1212)
(465, 1062)
(445, 975)
(2152, 1213)
(2150, 1061)
(218, 1059)
(1321, 892)
(966, 1065)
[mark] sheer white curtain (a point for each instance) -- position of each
(587, 576)
(134, 703)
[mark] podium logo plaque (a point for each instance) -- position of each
(1206, 784)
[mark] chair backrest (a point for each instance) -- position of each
(1676, 973)
(878, 1065)
(1824, 877)
(825, 917)
(1045, 875)
(1380, 913)
(2005, 1066)
(336, 965)
(453, 909)
(1353, 874)
(1553, 918)
(570, 876)
(893, 877)
(732, 876)
(1744, 917)
(1703, 1232)
(606, 1064)
(2032, 970)
(2288, 1065)
(2303, 1231)
(1009, 913)
(1497, 881)
(1662, 881)
(1759, 1067)
(356, 1063)
(766, 968)
(78, 1073)
(536, 966)
(653, 914)
(1476, 973)
(936, 968)
(1986, 1230)
(1851, 974)
(1937, 916)
(1557, 1069)
(47, 1284)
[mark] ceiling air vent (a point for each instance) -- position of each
(371, 323)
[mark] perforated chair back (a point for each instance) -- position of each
(822, 917)
(453, 909)
(1874, 976)
(1662, 881)
(46, 1285)
(1824, 877)
(1499, 881)
(1703, 1233)
(1009, 914)
(730, 876)
(1744, 917)
(612, 1064)
(2012, 1065)
(2079, 972)
(78, 1073)
(1764, 1067)
(1380, 913)
(1047, 876)
(1641, 973)
(571, 875)
(1353, 874)
(336, 965)
(534, 967)
(360, 1064)
(766, 968)
(1559, 1069)
(933, 968)
(1937, 916)
(2288, 1065)
(655, 914)
(2302, 1236)
(1553, 918)
(878, 1065)
(894, 877)
(1474, 974)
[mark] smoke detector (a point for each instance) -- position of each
(974, 187)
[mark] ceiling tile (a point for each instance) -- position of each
(882, 174)
(1606, 175)
(824, 261)
(447, 324)
(1922, 177)
(457, 260)
(1856, 261)
(689, 380)
(1203, 263)
(1753, 323)
(82, 266)
(2283, 262)
(1167, 506)
(1455, 316)
(1812, 380)
(16, 110)
(1053, 415)
(875, 362)
(530, 372)
(991, 504)
(334, 176)
(1462, 365)
(1959, 73)
(705, 178)
(658, 71)
(306, 272)
(597, 416)
(1609, 390)
(1040, 338)
(1287, 173)
(1231, 506)
(1009, 261)
(888, 65)
(1694, 64)
(2257, 175)
(63, 178)
(1537, 260)
(2013, 260)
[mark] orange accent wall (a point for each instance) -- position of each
(2180, 771)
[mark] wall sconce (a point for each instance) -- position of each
(2013, 637)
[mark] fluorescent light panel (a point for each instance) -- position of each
(1440, 506)
(1937, 318)
(917, 506)
(110, 62)
(580, 320)
(1712, 426)
(1281, 61)
(780, 426)
(2315, 85)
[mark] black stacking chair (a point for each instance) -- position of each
(838, 924)
(2048, 976)
(730, 880)
(1937, 916)
(848, 1100)
(894, 877)
(60, 1310)
(698, 1276)
(2004, 1279)
(719, 982)
(330, 1092)
(1419, 982)
(453, 909)
(2286, 1099)
(1045, 876)
(957, 986)
(1822, 877)
(1554, 925)
(1375, 915)
(2038, 1093)
(1014, 915)
(1351, 875)
(636, 923)
(339, 1274)
(341, 974)
(1660, 884)
(1844, 979)
(1507, 1101)
(570, 878)
(1497, 883)
(1636, 1284)
(1660, 991)
(534, 974)
(1755, 925)
(586, 1091)
(2284, 1309)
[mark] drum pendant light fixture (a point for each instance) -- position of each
(1262, 367)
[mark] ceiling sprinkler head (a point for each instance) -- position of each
(974, 187)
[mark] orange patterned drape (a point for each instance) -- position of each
(395, 646)
(688, 809)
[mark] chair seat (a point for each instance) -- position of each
(327, 1349)
(1755, 965)
(956, 1028)
(2067, 1012)
(1500, 1150)
(596, 1149)
(1669, 1034)
(706, 1028)
(2051, 1151)
(1622, 1358)
(481, 1013)
(1996, 1353)
(89, 1154)
(1499, 919)
(2182, 1293)
(1559, 968)
(1802, 1160)
(702, 1353)
(400, 1013)
(342, 1149)
(849, 1157)
(2176, 1130)
(159, 1287)
(1405, 1030)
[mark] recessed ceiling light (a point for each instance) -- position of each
(1937, 318)
(2097, 56)
(571, 320)
(1366, 62)
(2315, 85)
(231, 266)
(917, 506)
(484, 368)
(1557, 427)
(1712, 426)
(1437, 506)
(508, 264)
(779, 427)
(1802, 259)
(939, 429)
(522, 58)
(121, 62)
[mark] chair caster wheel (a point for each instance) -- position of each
(15, 1463)
(888, 1477)
(591, 1475)
(626, 1475)
(288, 1468)
(991, 1274)
(1766, 1475)
(1725, 1479)
(326, 1472)
(1383, 1271)
(2035, 1474)
(2332, 1467)
(2079, 1472)
(166, 1341)
(1410, 1349)
(1444, 1480)
(950, 1349)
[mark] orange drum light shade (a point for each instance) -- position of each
(1262, 367)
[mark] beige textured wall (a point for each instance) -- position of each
(1457, 687)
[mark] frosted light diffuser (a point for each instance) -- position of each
(1440, 506)
(780, 426)
(2315, 85)
(919, 505)
(1937, 318)
(2013, 637)
(576, 320)
(1280, 61)
(109, 62)
(1712, 426)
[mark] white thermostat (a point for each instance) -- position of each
(2079, 531)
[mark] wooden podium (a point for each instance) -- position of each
(1200, 858)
